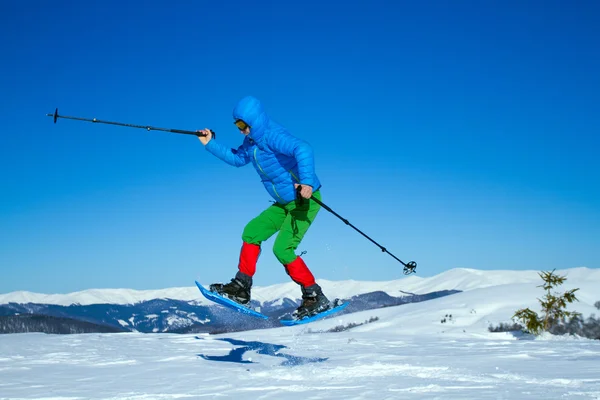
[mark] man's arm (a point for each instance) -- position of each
(237, 158)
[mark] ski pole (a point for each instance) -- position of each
(409, 267)
(148, 128)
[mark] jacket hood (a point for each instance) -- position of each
(250, 110)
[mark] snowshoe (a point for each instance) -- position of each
(236, 290)
(313, 302)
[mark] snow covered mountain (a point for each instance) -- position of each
(184, 310)
(461, 279)
(168, 315)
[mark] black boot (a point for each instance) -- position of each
(313, 302)
(237, 290)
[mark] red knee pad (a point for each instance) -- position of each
(248, 258)
(300, 273)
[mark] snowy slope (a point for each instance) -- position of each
(472, 311)
(407, 353)
(455, 279)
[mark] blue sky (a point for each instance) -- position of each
(456, 134)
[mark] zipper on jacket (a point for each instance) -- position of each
(277, 194)
(258, 165)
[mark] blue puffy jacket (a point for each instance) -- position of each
(279, 158)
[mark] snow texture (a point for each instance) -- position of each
(407, 353)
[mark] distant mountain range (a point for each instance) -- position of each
(184, 310)
(168, 315)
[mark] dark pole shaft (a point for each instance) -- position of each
(148, 128)
(408, 267)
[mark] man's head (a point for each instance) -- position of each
(242, 126)
(249, 116)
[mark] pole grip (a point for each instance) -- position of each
(191, 132)
(184, 132)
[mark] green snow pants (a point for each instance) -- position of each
(291, 221)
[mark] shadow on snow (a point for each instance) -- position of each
(268, 349)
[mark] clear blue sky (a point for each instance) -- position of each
(455, 133)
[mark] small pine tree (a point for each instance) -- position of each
(553, 305)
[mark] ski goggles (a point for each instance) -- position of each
(241, 124)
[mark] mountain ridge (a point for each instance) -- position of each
(462, 279)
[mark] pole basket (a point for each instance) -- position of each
(410, 268)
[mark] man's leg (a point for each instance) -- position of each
(293, 229)
(256, 231)
(292, 232)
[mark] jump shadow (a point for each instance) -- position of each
(268, 349)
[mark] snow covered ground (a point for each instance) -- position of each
(408, 353)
